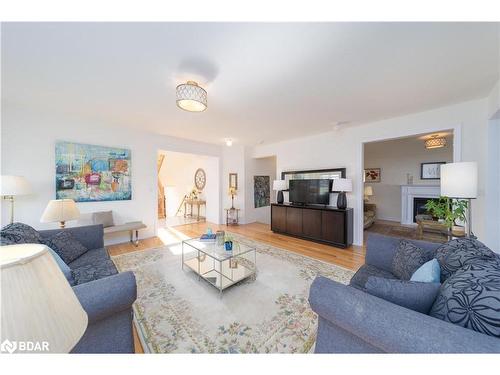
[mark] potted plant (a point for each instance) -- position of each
(448, 210)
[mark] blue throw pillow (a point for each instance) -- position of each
(410, 294)
(66, 246)
(429, 272)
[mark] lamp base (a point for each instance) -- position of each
(342, 200)
(279, 198)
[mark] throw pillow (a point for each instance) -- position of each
(428, 273)
(471, 298)
(407, 259)
(105, 218)
(17, 233)
(461, 252)
(66, 246)
(413, 295)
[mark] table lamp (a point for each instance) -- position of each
(342, 185)
(10, 186)
(368, 193)
(60, 210)
(279, 186)
(232, 193)
(38, 304)
(459, 181)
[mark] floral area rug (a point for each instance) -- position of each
(177, 313)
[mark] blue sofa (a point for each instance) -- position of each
(106, 295)
(353, 321)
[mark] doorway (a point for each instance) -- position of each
(400, 176)
(188, 188)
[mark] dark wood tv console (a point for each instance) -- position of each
(317, 223)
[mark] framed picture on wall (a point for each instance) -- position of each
(431, 171)
(372, 175)
(233, 181)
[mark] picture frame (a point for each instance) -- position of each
(431, 170)
(373, 175)
(233, 180)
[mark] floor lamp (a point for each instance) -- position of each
(459, 181)
(11, 186)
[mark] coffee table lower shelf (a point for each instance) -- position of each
(220, 279)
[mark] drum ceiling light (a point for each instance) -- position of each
(435, 142)
(191, 97)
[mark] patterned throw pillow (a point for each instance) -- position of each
(461, 252)
(17, 233)
(66, 246)
(408, 259)
(471, 298)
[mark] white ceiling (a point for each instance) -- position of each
(266, 82)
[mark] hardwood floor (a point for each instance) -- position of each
(351, 258)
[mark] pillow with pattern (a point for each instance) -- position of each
(461, 252)
(471, 298)
(66, 246)
(18, 233)
(408, 259)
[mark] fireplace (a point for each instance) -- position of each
(419, 206)
(412, 194)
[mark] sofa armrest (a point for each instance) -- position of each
(392, 328)
(91, 236)
(104, 297)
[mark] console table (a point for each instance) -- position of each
(325, 224)
(193, 202)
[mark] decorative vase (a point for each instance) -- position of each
(228, 245)
(279, 198)
(342, 200)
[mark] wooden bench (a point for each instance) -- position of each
(131, 227)
(106, 219)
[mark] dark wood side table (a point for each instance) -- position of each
(232, 216)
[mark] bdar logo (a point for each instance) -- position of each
(8, 346)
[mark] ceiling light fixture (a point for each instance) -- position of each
(191, 97)
(229, 142)
(435, 142)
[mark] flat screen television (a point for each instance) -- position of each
(310, 191)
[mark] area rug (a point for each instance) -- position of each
(177, 313)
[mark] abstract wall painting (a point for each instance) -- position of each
(261, 191)
(90, 173)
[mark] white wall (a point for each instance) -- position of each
(177, 176)
(343, 148)
(396, 158)
(28, 141)
(493, 186)
(259, 167)
(234, 162)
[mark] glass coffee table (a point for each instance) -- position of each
(219, 267)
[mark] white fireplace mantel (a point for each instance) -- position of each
(408, 193)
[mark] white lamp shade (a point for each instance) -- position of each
(38, 304)
(14, 185)
(342, 184)
(459, 180)
(279, 185)
(368, 190)
(60, 210)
